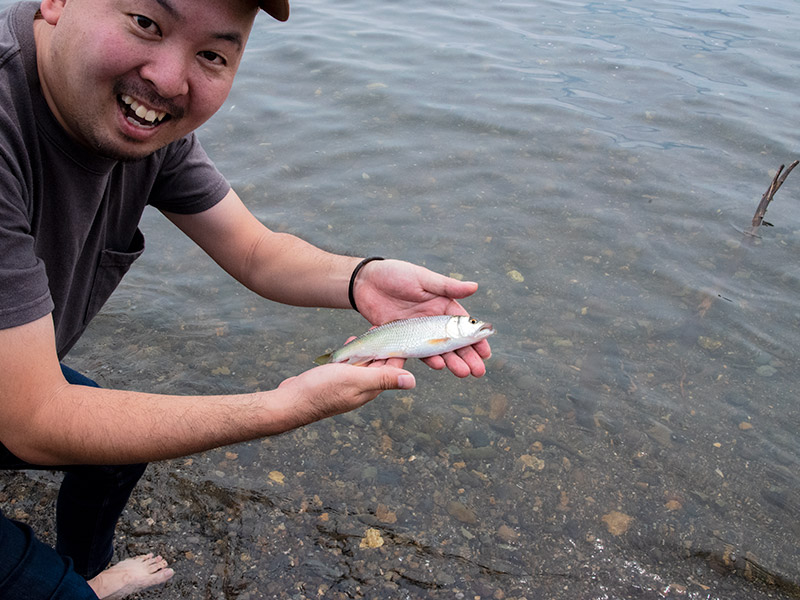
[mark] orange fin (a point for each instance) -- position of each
(437, 341)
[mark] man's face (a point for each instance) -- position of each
(127, 77)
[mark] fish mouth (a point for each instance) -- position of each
(487, 329)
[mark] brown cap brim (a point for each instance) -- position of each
(278, 9)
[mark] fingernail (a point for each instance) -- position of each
(406, 381)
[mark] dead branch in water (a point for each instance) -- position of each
(758, 220)
(774, 186)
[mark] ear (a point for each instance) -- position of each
(51, 10)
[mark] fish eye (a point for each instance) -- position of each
(473, 321)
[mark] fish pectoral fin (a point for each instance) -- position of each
(438, 341)
(360, 361)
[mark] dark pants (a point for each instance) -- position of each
(90, 502)
(32, 570)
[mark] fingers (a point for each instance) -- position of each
(426, 280)
(381, 377)
(435, 362)
(483, 349)
(406, 381)
(464, 362)
(457, 365)
(441, 285)
(473, 360)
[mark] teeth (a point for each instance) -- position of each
(141, 111)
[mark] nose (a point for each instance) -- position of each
(167, 68)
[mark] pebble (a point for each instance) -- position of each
(709, 343)
(277, 477)
(735, 398)
(461, 513)
(766, 371)
(385, 515)
(617, 522)
(661, 434)
(482, 453)
(372, 539)
(369, 473)
(498, 406)
(478, 438)
(529, 461)
(505, 533)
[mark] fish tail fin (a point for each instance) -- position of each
(324, 359)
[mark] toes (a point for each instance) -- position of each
(153, 564)
(144, 557)
(158, 564)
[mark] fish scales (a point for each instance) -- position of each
(405, 337)
(419, 337)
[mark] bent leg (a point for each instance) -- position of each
(33, 570)
(90, 502)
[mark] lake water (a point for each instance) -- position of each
(595, 166)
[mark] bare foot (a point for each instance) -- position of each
(129, 576)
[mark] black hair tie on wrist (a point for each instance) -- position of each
(359, 266)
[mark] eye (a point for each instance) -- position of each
(212, 57)
(146, 24)
(473, 321)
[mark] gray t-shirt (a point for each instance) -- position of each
(69, 218)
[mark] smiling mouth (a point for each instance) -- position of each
(140, 114)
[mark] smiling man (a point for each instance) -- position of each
(127, 84)
(99, 100)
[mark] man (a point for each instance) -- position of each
(98, 102)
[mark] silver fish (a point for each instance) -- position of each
(419, 337)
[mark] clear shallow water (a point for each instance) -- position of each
(593, 166)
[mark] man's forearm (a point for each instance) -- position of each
(99, 426)
(287, 269)
(278, 266)
(84, 425)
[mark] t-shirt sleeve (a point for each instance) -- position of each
(24, 291)
(188, 182)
